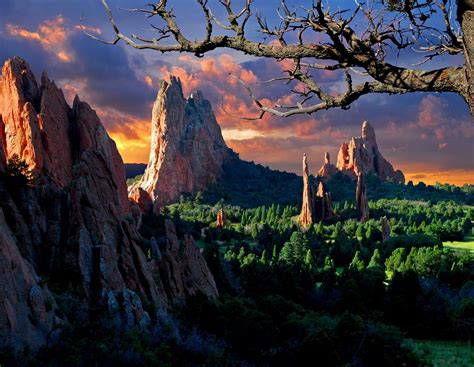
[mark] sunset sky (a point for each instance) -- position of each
(430, 137)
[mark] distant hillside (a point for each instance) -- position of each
(134, 169)
(248, 184)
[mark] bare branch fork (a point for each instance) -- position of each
(391, 25)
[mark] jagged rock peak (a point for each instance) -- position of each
(368, 132)
(327, 158)
(187, 148)
(37, 124)
(362, 155)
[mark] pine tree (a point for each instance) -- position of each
(357, 263)
(263, 258)
(308, 260)
(375, 260)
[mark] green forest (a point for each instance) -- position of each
(336, 293)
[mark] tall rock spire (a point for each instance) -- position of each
(361, 198)
(307, 209)
(187, 148)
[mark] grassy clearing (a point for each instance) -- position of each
(467, 244)
(445, 354)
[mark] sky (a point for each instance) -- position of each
(430, 137)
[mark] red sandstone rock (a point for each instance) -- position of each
(307, 209)
(328, 169)
(323, 204)
(361, 155)
(72, 222)
(221, 219)
(362, 201)
(187, 147)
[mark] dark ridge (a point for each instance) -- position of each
(134, 169)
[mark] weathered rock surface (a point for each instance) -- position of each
(183, 267)
(328, 169)
(72, 225)
(362, 202)
(323, 203)
(221, 219)
(307, 207)
(26, 308)
(187, 148)
(315, 207)
(385, 229)
(362, 155)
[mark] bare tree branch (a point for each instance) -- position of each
(391, 25)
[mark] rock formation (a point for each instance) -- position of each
(328, 169)
(323, 204)
(221, 219)
(385, 229)
(317, 207)
(71, 226)
(362, 155)
(187, 148)
(307, 209)
(183, 267)
(362, 201)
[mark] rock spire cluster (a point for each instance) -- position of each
(361, 155)
(315, 206)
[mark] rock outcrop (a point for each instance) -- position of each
(362, 155)
(221, 219)
(307, 209)
(323, 204)
(72, 226)
(187, 148)
(385, 229)
(328, 169)
(183, 267)
(362, 202)
(315, 207)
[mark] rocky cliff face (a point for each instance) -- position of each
(71, 226)
(187, 149)
(362, 155)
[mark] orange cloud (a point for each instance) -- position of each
(131, 135)
(51, 35)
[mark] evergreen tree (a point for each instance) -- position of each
(357, 263)
(375, 260)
